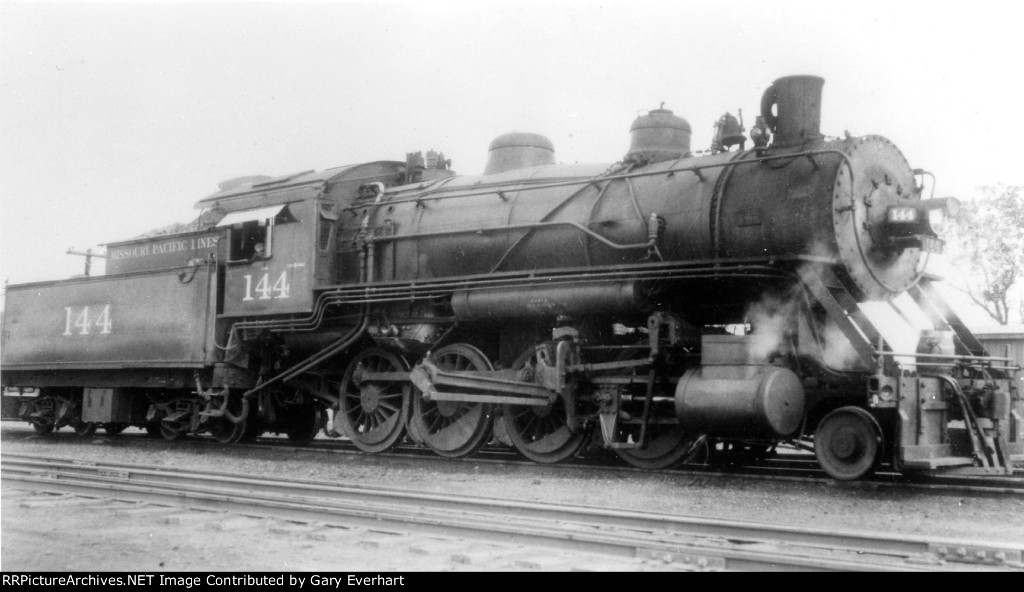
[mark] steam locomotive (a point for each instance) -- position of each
(665, 306)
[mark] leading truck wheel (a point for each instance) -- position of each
(848, 443)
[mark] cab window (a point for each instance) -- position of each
(249, 242)
(252, 232)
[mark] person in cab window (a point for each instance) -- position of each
(258, 253)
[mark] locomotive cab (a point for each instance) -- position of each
(282, 236)
(266, 270)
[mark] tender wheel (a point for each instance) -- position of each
(374, 411)
(303, 424)
(667, 445)
(224, 430)
(113, 429)
(153, 429)
(451, 428)
(170, 432)
(40, 414)
(43, 428)
(541, 434)
(84, 430)
(847, 443)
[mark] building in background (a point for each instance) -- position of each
(1005, 341)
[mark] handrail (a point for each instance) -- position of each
(457, 192)
(507, 227)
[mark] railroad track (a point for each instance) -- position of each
(682, 542)
(794, 467)
(787, 465)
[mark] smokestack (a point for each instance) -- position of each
(797, 103)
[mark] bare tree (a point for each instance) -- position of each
(987, 246)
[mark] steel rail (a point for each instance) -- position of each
(783, 467)
(293, 508)
(797, 468)
(708, 543)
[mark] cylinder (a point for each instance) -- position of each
(797, 100)
(518, 150)
(740, 401)
(550, 301)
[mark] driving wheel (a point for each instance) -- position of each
(374, 409)
(453, 428)
(541, 433)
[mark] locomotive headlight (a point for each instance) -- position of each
(937, 220)
(939, 210)
(922, 218)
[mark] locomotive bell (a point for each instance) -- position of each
(728, 133)
(518, 150)
(658, 136)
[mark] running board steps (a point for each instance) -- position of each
(988, 445)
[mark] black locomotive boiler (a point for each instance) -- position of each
(665, 306)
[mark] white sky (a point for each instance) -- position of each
(115, 118)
